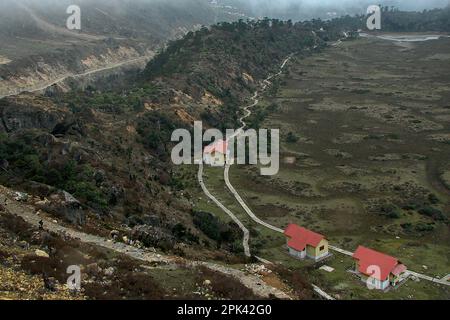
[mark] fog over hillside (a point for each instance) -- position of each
(294, 9)
(307, 9)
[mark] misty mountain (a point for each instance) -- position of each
(326, 9)
(37, 46)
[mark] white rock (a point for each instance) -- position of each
(20, 196)
(41, 253)
(207, 282)
(109, 271)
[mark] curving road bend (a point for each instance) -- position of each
(227, 180)
(244, 205)
(248, 112)
(226, 210)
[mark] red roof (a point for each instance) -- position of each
(218, 146)
(399, 269)
(300, 237)
(369, 258)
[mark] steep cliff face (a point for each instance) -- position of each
(29, 112)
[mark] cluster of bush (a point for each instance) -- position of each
(155, 130)
(110, 101)
(25, 161)
(216, 230)
(424, 208)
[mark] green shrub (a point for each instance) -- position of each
(213, 228)
(432, 213)
(425, 227)
(433, 198)
(25, 161)
(390, 211)
(291, 138)
(208, 224)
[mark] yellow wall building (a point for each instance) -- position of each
(304, 243)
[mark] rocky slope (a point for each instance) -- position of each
(111, 267)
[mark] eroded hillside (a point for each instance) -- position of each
(38, 50)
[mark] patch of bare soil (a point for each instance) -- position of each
(4, 60)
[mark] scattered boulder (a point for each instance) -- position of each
(151, 236)
(207, 282)
(114, 234)
(109, 271)
(66, 206)
(21, 196)
(257, 269)
(23, 244)
(41, 253)
(151, 220)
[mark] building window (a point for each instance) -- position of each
(322, 248)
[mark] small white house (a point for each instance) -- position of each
(216, 154)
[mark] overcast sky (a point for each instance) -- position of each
(296, 9)
(407, 4)
(319, 8)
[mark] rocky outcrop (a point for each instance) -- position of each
(29, 112)
(67, 126)
(152, 236)
(65, 206)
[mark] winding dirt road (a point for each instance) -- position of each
(248, 112)
(226, 210)
(63, 78)
(258, 286)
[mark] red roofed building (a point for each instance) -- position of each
(382, 269)
(216, 153)
(303, 243)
